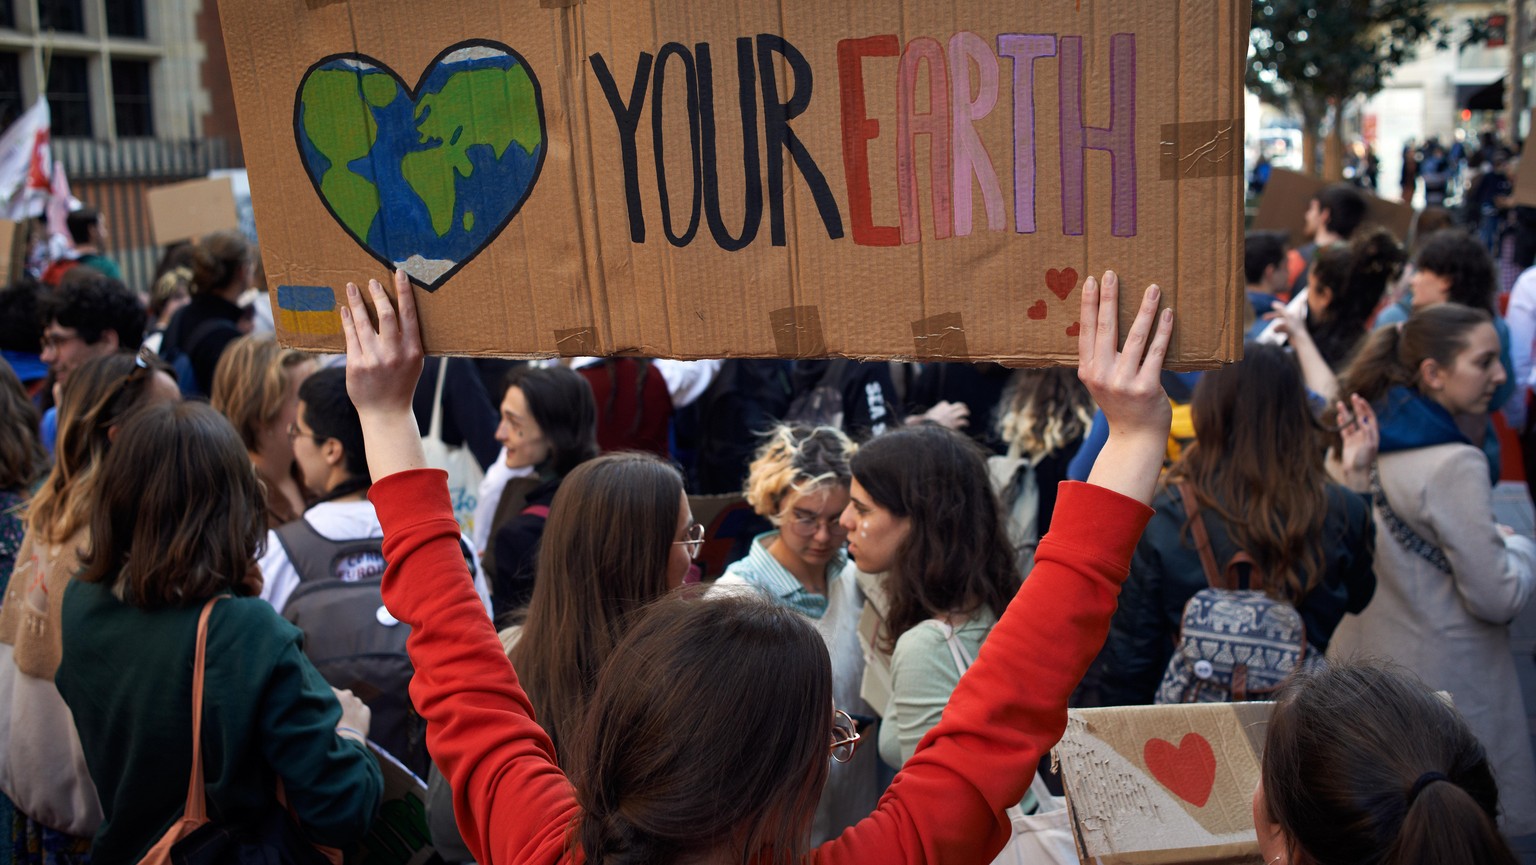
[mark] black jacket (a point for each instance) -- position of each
(1166, 573)
(202, 330)
(516, 552)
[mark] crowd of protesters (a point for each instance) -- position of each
(539, 653)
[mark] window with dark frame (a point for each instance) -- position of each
(8, 14)
(10, 88)
(69, 96)
(67, 16)
(132, 107)
(125, 18)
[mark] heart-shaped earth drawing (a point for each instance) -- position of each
(423, 178)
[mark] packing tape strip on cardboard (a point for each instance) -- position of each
(576, 342)
(940, 337)
(1204, 148)
(797, 332)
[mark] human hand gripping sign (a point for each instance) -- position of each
(383, 364)
(1126, 385)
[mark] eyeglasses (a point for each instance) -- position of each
(807, 527)
(54, 339)
(294, 432)
(694, 540)
(845, 736)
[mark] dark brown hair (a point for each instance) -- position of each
(1245, 415)
(603, 555)
(217, 261)
(1392, 355)
(1356, 275)
(101, 394)
(709, 726)
(178, 516)
(1346, 749)
(1462, 261)
(956, 557)
(22, 458)
(562, 404)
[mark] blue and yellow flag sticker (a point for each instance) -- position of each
(307, 309)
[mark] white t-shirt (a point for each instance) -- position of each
(337, 521)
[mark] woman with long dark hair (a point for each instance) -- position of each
(1449, 579)
(1344, 289)
(549, 425)
(590, 586)
(176, 521)
(592, 581)
(711, 728)
(1365, 765)
(1258, 477)
(922, 512)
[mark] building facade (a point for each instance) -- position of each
(139, 94)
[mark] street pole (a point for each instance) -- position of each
(1515, 101)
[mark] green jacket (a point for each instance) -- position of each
(126, 674)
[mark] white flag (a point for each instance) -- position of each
(26, 166)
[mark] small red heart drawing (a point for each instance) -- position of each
(1073, 328)
(1038, 311)
(1061, 282)
(1188, 770)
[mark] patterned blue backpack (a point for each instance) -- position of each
(1234, 643)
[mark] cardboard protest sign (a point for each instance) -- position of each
(1161, 784)
(399, 835)
(1283, 207)
(190, 210)
(12, 249)
(695, 179)
(1525, 177)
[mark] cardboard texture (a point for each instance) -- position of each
(1162, 784)
(1283, 207)
(1525, 178)
(11, 250)
(191, 210)
(695, 179)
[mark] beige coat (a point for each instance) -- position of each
(1453, 630)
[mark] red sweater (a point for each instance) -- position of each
(514, 805)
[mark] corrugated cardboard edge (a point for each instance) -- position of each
(1217, 855)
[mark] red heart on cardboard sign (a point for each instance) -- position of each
(1187, 769)
(1061, 282)
(1074, 328)
(1038, 311)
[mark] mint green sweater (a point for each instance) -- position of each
(126, 674)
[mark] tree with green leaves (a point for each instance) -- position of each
(1314, 56)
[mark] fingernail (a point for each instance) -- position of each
(1154, 291)
(346, 313)
(351, 289)
(1167, 315)
(374, 284)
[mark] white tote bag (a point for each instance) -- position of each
(1041, 838)
(464, 472)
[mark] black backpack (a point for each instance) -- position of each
(351, 638)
